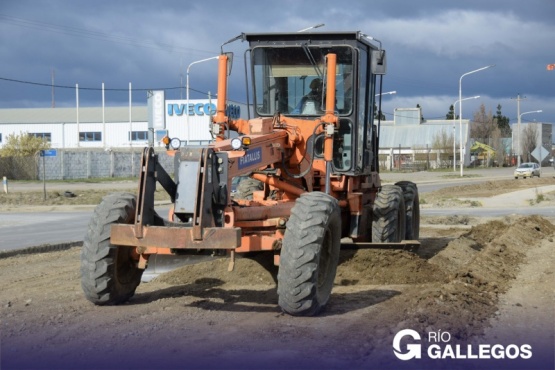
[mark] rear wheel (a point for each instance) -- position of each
(109, 274)
(412, 208)
(309, 255)
(388, 223)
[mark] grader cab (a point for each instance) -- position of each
(308, 165)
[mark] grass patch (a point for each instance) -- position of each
(453, 176)
(539, 198)
(56, 198)
(94, 180)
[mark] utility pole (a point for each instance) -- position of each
(518, 100)
(52, 76)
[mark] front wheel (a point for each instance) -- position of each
(309, 255)
(109, 273)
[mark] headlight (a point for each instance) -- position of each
(175, 143)
(236, 143)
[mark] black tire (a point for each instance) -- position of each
(412, 208)
(246, 187)
(109, 275)
(388, 223)
(309, 255)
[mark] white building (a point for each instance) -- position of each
(543, 132)
(410, 137)
(112, 127)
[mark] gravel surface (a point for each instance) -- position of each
(485, 281)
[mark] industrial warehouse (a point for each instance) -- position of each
(406, 142)
(115, 127)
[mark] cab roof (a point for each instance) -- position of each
(317, 38)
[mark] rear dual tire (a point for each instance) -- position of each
(412, 208)
(389, 215)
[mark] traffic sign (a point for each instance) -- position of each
(48, 153)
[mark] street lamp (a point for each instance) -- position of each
(387, 93)
(518, 134)
(312, 27)
(188, 68)
(454, 140)
(460, 111)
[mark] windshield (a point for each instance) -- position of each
(289, 80)
(526, 165)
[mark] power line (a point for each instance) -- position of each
(106, 89)
(91, 88)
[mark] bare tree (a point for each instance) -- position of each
(529, 141)
(501, 151)
(483, 125)
(442, 142)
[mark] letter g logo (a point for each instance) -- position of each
(414, 350)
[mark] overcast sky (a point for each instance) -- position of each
(430, 45)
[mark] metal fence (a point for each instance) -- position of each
(78, 164)
(18, 168)
(417, 160)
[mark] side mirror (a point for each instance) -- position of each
(378, 64)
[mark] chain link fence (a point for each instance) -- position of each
(78, 164)
(18, 168)
(417, 160)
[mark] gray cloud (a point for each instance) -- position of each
(430, 44)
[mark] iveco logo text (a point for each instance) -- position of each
(440, 349)
(201, 109)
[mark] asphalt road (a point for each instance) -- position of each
(27, 229)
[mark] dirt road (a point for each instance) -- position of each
(485, 282)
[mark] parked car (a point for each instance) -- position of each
(527, 169)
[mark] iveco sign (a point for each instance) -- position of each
(156, 103)
(201, 109)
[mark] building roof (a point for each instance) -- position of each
(409, 130)
(69, 115)
(419, 136)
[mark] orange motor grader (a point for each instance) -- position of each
(308, 161)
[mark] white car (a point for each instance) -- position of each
(527, 169)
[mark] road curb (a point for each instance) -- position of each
(44, 248)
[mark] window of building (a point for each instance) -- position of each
(43, 135)
(139, 135)
(90, 136)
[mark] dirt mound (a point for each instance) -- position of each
(481, 265)
(375, 266)
(455, 287)
(248, 271)
(488, 252)
(450, 220)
